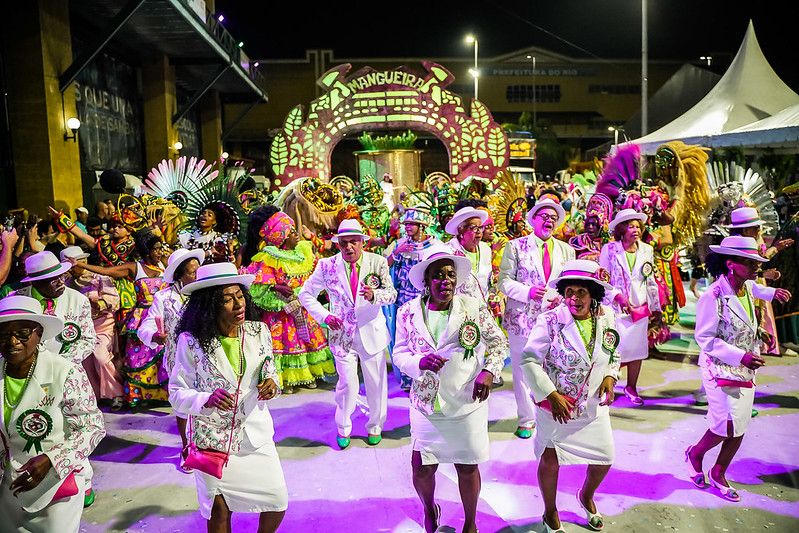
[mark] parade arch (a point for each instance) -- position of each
(398, 99)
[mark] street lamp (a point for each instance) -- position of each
(706, 58)
(616, 130)
(474, 72)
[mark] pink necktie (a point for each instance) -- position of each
(354, 280)
(49, 307)
(547, 262)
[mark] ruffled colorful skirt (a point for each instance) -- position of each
(145, 375)
(299, 362)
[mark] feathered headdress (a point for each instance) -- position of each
(621, 171)
(731, 187)
(179, 180)
(508, 202)
(222, 196)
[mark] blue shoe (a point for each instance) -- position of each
(523, 433)
(374, 440)
(343, 442)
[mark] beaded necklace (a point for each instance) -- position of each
(589, 346)
(24, 386)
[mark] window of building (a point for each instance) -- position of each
(518, 94)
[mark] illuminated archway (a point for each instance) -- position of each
(398, 99)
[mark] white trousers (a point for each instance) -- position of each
(62, 516)
(373, 368)
(525, 409)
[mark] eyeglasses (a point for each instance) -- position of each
(545, 217)
(474, 229)
(56, 281)
(22, 335)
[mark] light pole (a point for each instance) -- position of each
(615, 130)
(474, 72)
(534, 97)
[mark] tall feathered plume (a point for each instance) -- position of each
(621, 171)
(507, 200)
(177, 181)
(733, 186)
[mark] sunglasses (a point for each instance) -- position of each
(22, 335)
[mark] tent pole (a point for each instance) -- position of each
(644, 72)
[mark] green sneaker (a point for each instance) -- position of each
(374, 440)
(523, 433)
(88, 498)
(343, 442)
(754, 413)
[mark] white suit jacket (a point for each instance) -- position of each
(476, 285)
(360, 316)
(724, 331)
(196, 375)
(454, 383)
(60, 389)
(520, 269)
(638, 285)
(555, 357)
(168, 306)
(76, 342)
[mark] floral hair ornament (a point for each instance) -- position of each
(276, 229)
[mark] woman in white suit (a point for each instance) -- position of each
(223, 372)
(452, 348)
(727, 334)
(467, 227)
(630, 263)
(571, 364)
(51, 424)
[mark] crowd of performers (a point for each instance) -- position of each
(205, 294)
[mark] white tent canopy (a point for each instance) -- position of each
(749, 91)
(775, 132)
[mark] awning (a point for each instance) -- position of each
(202, 51)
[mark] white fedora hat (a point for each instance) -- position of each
(217, 274)
(739, 246)
(463, 266)
(744, 217)
(73, 252)
(44, 265)
(17, 307)
(177, 258)
(462, 215)
(582, 269)
(625, 215)
(550, 203)
(350, 228)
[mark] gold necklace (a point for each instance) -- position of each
(24, 386)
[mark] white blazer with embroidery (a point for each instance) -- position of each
(555, 357)
(454, 383)
(638, 284)
(361, 316)
(196, 375)
(60, 389)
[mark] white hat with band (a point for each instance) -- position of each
(744, 217)
(179, 257)
(463, 266)
(218, 274)
(17, 307)
(73, 252)
(350, 228)
(626, 215)
(547, 201)
(462, 215)
(739, 246)
(44, 265)
(582, 269)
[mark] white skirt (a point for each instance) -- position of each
(633, 342)
(443, 439)
(62, 516)
(585, 440)
(727, 403)
(252, 482)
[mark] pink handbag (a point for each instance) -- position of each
(639, 312)
(734, 383)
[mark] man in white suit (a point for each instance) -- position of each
(528, 263)
(358, 284)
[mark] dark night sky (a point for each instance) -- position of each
(608, 29)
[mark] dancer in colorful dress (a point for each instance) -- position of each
(727, 335)
(281, 268)
(145, 375)
(571, 364)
